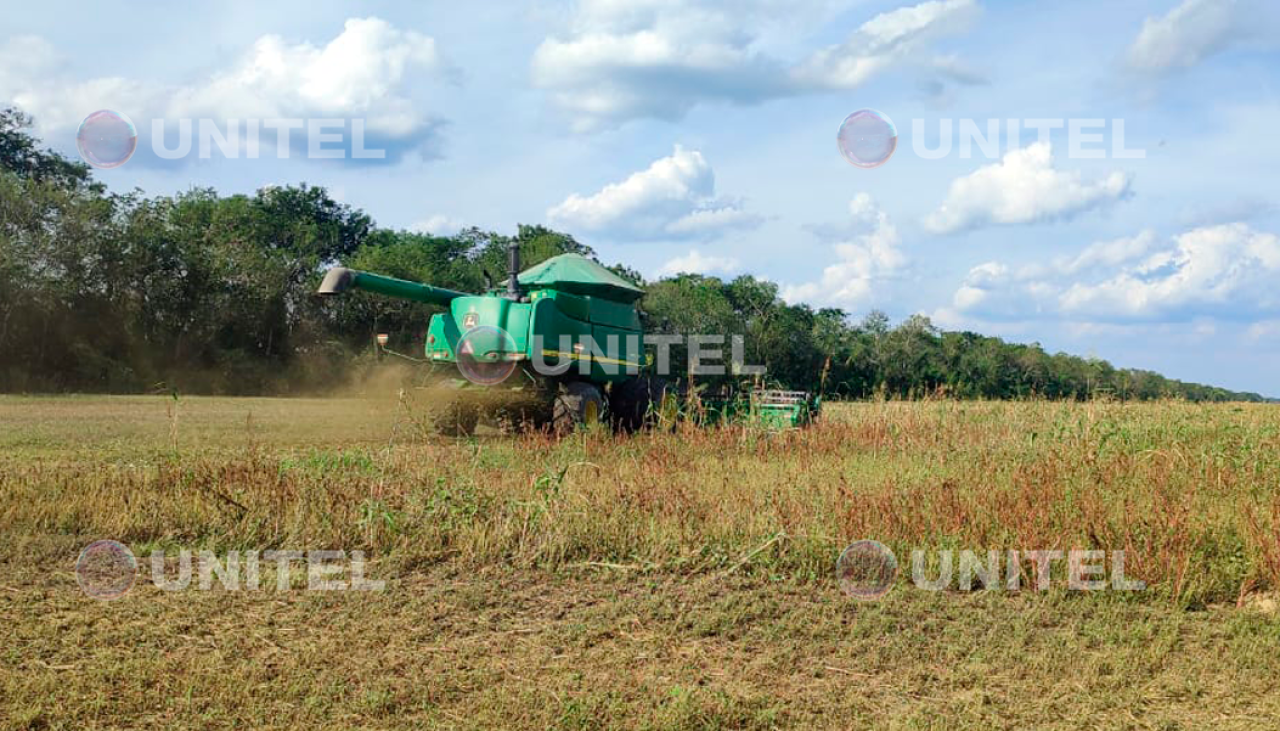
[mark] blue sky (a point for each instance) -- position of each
(701, 136)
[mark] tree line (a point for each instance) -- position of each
(120, 292)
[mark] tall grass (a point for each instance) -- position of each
(1190, 492)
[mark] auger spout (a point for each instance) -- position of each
(341, 279)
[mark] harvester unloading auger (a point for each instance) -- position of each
(578, 320)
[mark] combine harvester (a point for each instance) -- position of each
(579, 324)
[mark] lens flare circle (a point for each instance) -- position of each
(106, 570)
(486, 355)
(866, 570)
(867, 138)
(106, 139)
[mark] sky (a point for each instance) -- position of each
(701, 136)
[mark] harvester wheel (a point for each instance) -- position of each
(577, 403)
(635, 403)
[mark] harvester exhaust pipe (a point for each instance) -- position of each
(513, 271)
(337, 281)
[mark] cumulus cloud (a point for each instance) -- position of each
(888, 38)
(438, 225)
(1226, 270)
(652, 58)
(1111, 253)
(995, 291)
(358, 73)
(1024, 187)
(33, 76)
(365, 72)
(1229, 266)
(1198, 29)
(862, 261)
(696, 262)
(660, 58)
(674, 198)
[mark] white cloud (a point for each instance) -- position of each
(710, 221)
(660, 58)
(651, 58)
(674, 197)
(1023, 187)
(1227, 270)
(995, 290)
(358, 73)
(364, 72)
(1198, 29)
(888, 38)
(33, 77)
(862, 262)
(1097, 256)
(1108, 253)
(696, 262)
(438, 225)
(1209, 267)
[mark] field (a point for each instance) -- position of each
(667, 580)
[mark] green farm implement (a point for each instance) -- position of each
(771, 409)
(557, 345)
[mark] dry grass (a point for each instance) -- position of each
(665, 580)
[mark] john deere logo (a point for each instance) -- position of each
(469, 320)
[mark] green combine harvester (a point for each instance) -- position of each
(558, 345)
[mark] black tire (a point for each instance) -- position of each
(628, 404)
(575, 405)
(635, 404)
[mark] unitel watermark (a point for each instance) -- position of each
(106, 139)
(488, 355)
(867, 138)
(868, 570)
(108, 570)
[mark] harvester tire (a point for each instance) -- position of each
(577, 403)
(634, 403)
